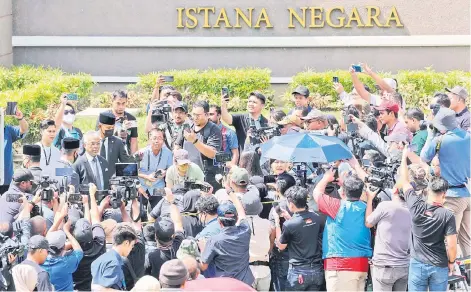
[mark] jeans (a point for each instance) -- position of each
(424, 276)
(389, 278)
(279, 270)
(305, 278)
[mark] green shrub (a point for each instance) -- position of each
(37, 91)
(206, 84)
(417, 87)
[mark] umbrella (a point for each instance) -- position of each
(306, 147)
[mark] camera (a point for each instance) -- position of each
(382, 175)
(267, 179)
(435, 107)
(75, 199)
(125, 184)
(222, 157)
(204, 187)
(160, 114)
(47, 188)
(10, 247)
(256, 134)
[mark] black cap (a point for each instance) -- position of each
(38, 242)
(69, 143)
(23, 175)
(301, 90)
(164, 229)
(107, 118)
(182, 105)
(83, 231)
(32, 150)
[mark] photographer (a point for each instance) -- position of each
(174, 129)
(161, 91)
(182, 170)
(315, 121)
(431, 260)
(22, 183)
(155, 161)
(458, 96)
(290, 124)
(346, 243)
(126, 123)
(207, 213)
(230, 145)
(301, 98)
(392, 219)
(242, 122)
(11, 134)
(203, 141)
(37, 255)
(65, 118)
(414, 120)
(306, 272)
(91, 237)
(451, 145)
(112, 148)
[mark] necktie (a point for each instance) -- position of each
(97, 176)
(103, 149)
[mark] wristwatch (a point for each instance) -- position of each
(451, 262)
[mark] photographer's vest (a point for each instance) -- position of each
(346, 236)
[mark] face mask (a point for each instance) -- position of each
(183, 168)
(69, 118)
(108, 133)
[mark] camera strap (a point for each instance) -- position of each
(439, 144)
(148, 158)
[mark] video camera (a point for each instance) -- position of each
(382, 175)
(161, 113)
(125, 184)
(196, 185)
(47, 187)
(257, 134)
(10, 247)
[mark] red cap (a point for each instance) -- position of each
(388, 105)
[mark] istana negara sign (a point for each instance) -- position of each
(303, 17)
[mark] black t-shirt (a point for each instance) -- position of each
(191, 225)
(158, 257)
(430, 225)
(241, 123)
(299, 233)
(211, 136)
(131, 133)
(136, 259)
(83, 276)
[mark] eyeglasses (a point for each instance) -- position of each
(156, 139)
(197, 115)
(66, 112)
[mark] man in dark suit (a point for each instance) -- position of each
(112, 148)
(91, 167)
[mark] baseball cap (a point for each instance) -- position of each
(391, 82)
(38, 242)
(182, 105)
(164, 230)
(418, 175)
(181, 156)
(315, 114)
(458, 90)
(188, 247)
(291, 119)
(23, 175)
(83, 231)
(227, 210)
(252, 203)
(388, 105)
(301, 90)
(398, 136)
(56, 241)
(240, 176)
(173, 273)
(445, 120)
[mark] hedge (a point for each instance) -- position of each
(37, 91)
(415, 86)
(206, 84)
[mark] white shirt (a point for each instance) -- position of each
(49, 159)
(94, 168)
(105, 141)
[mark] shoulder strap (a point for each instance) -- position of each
(130, 269)
(439, 144)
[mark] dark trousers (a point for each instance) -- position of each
(279, 270)
(305, 278)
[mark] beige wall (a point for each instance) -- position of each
(6, 19)
(158, 18)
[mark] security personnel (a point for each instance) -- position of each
(32, 160)
(22, 184)
(70, 152)
(112, 148)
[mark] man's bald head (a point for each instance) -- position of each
(38, 226)
(192, 266)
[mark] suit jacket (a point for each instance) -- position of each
(84, 170)
(116, 153)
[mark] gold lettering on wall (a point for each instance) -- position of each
(302, 17)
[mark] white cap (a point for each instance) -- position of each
(391, 82)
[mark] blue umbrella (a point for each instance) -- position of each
(306, 147)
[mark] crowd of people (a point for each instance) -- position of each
(204, 209)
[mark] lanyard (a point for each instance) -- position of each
(148, 159)
(48, 160)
